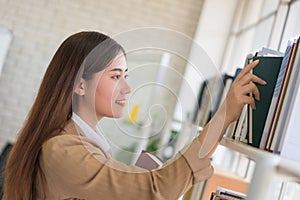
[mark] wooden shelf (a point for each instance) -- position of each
(282, 165)
(249, 151)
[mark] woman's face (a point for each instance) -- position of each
(111, 89)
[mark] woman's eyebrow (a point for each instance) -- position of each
(118, 69)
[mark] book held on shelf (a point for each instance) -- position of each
(267, 69)
(290, 143)
(276, 131)
(226, 194)
(275, 123)
(276, 94)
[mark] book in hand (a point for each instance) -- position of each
(148, 161)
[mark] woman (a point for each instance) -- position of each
(60, 154)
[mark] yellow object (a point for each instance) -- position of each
(134, 113)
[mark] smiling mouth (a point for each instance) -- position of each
(121, 102)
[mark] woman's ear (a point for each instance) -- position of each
(80, 87)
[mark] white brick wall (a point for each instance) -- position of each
(39, 26)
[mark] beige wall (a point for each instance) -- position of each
(39, 26)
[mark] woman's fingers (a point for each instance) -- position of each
(247, 70)
(246, 82)
(249, 100)
(249, 77)
(243, 91)
(251, 88)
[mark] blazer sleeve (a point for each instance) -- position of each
(75, 168)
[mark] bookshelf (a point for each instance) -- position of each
(260, 24)
(249, 151)
(269, 167)
(285, 167)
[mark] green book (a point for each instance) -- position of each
(267, 69)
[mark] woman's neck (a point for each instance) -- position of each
(90, 119)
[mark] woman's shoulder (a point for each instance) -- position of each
(61, 141)
(68, 136)
(70, 141)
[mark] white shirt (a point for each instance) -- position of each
(92, 134)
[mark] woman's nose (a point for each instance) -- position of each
(125, 87)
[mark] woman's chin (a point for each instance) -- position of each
(117, 115)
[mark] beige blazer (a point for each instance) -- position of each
(76, 168)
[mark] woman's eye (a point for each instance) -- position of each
(116, 77)
(126, 76)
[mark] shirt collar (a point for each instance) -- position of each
(92, 134)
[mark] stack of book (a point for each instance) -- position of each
(226, 194)
(273, 125)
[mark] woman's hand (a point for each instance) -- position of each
(238, 95)
(231, 108)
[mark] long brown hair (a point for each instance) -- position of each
(53, 108)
